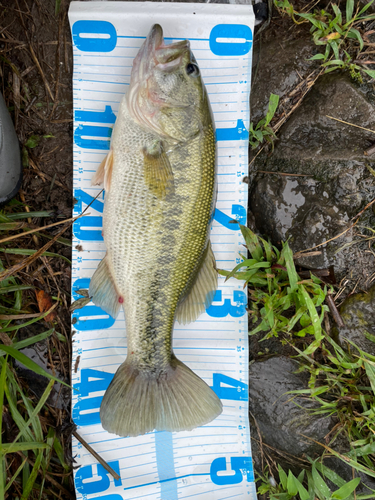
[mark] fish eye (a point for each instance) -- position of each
(192, 69)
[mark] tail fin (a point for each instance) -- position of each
(137, 402)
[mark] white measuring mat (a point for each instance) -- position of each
(212, 462)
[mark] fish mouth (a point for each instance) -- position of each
(154, 52)
(143, 98)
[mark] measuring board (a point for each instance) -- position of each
(212, 462)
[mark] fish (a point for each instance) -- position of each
(160, 192)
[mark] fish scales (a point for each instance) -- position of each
(158, 207)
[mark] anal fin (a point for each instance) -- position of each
(103, 291)
(202, 292)
(104, 173)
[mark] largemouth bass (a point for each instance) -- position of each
(159, 179)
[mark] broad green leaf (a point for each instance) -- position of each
(335, 49)
(252, 243)
(283, 477)
(337, 12)
(370, 72)
(345, 491)
(303, 493)
(320, 483)
(349, 10)
(353, 33)
(317, 57)
(29, 363)
(367, 449)
(292, 484)
(272, 106)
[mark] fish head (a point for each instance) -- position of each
(167, 95)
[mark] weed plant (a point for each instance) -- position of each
(337, 32)
(263, 131)
(279, 301)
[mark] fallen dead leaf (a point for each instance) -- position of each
(45, 303)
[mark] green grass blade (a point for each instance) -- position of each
(252, 243)
(349, 10)
(290, 267)
(2, 476)
(27, 323)
(24, 251)
(320, 484)
(60, 453)
(36, 410)
(29, 363)
(16, 415)
(15, 475)
(2, 389)
(14, 288)
(31, 340)
(33, 475)
(24, 446)
(27, 215)
(370, 372)
(313, 312)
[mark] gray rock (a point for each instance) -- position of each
(310, 134)
(357, 312)
(337, 184)
(281, 421)
(278, 75)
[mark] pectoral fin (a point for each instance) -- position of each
(202, 293)
(157, 169)
(104, 172)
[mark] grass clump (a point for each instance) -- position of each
(279, 301)
(340, 33)
(291, 487)
(31, 450)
